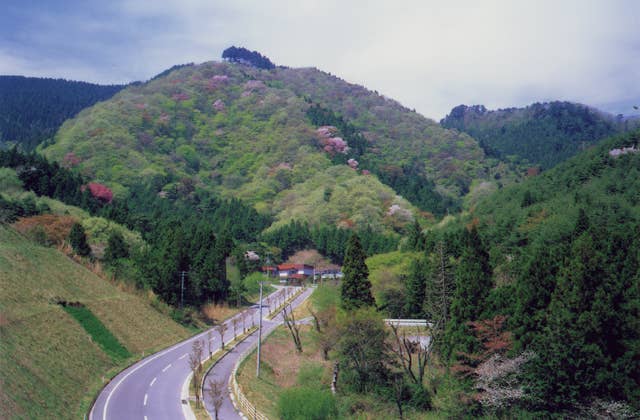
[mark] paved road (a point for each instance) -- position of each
(222, 370)
(152, 388)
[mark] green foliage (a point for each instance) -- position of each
(116, 248)
(566, 271)
(34, 108)
(541, 134)
(98, 332)
(306, 403)
(355, 291)
(78, 240)
(363, 351)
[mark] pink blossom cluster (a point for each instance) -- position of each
(140, 106)
(70, 160)
(180, 96)
(100, 191)
(219, 105)
(216, 81)
(331, 145)
(399, 212)
(163, 118)
(353, 164)
(366, 172)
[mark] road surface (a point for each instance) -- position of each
(152, 389)
(222, 370)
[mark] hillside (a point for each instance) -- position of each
(242, 132)
(541, 134)
(32, 108)
(557, 258)
(49, 362)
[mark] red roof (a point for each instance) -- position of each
(294, 266)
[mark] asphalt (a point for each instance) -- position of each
(152, 389)
(222, 370)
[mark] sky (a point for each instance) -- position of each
(428, 55)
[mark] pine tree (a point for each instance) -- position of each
(78, 240)
(356, 287)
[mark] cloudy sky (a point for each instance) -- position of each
(429, 55)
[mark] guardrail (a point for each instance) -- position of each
(408, 322)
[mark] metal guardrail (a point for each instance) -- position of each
(409, 322)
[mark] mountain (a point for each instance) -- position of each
(32, 108)
(541, 134)
(283, 140)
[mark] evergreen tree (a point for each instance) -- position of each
(78, 240)
(415, 285)
(591, 345)
(116, 247)
(356, 287)
(472, 286)
(415, 239)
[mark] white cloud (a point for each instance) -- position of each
(430, 55)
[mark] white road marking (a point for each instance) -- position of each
(153, 382)
(183, 356)
(145, 399)
(167, 367)
(145, 418)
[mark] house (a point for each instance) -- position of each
(294, 273)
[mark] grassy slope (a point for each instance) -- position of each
(48, 361)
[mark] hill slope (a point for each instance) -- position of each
(48, 360)
(32, 108)
(244, 132)
(543, 134)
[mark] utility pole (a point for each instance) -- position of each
(182, 273)
(259, 335)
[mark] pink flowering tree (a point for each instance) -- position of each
(101, 192)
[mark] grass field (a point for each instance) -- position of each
(50, 366)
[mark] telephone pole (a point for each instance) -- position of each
(259, 335)
(182, 273)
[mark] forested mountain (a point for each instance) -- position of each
(295, 143)
(541, 134)
(544, 288)
(32, 108)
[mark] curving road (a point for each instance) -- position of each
(154, 388)
(222, 370)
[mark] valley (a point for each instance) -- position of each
(151, 218)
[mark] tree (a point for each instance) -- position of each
(116, 247)
(472, 286)
(222, 328)
(363, 351)
(195, 363)
(415, 239)
(356, 287)
(415, 285)
(216, 395)
(78, 240)
(290, 321)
